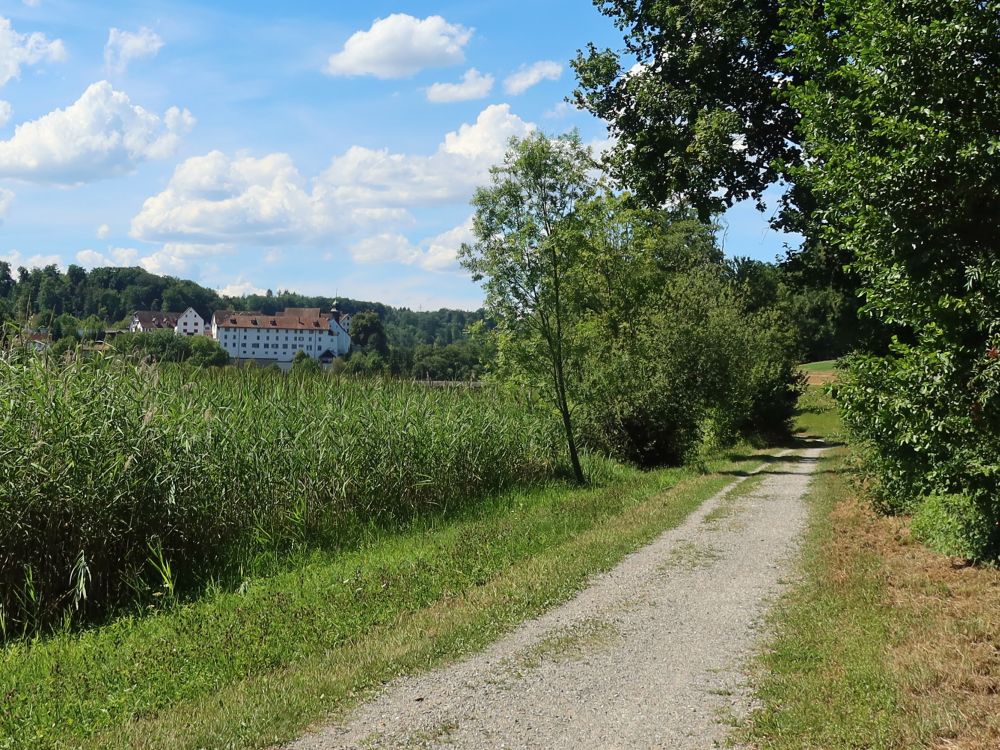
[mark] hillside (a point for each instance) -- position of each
(108, 296)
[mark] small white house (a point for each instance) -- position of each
(187, 323)
(278, 338)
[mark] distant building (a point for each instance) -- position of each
(277, 338)
(187, 323)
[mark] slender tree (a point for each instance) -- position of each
(528, 239)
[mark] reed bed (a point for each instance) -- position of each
(124, 484)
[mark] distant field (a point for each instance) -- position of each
(820, 372)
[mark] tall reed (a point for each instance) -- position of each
(122, 481)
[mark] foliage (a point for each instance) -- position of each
(166, 346)
(698, 116)
(105, 457)
(903, 167)
(368, 334)
(303, 364)
(687, 363)
(527, 245)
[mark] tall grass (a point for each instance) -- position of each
(124, 483)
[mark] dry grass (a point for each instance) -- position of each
(949, 655)
(942, 647)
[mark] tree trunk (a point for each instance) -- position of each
(574, 455)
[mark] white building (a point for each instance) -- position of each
(277, 338)
(187, 323)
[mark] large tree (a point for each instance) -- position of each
(529, 240)
(694, 100)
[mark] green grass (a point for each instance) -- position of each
(255, 666)
(826, 365)
(824, 680)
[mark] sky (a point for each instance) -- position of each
(329, 148)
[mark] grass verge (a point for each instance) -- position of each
(883, 644)
(253, 667)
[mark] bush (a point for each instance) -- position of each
(961, 525)
(692, 366)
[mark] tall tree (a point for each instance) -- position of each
(700, 114)
(529, 239)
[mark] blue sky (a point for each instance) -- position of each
(329, 148)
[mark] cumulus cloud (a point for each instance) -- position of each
(179, 257)
(170, 258)
(114, 256)
(531, 75)
(400, 46)
(17, 259)
(215, 198)
(123, 47)
(462, 161)
(5, 113)
(266, 201)
(439, 253)
(6, 198)
(239, 288)
(17, 50)
(102, 134)
(474, 85)
(103, 231)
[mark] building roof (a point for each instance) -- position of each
(152, 319)
(293, 318)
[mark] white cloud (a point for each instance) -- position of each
(115, 256)
(239, 288)
(25, 49)
(437, 253)
(560, 110)
(123, 47)
(179, 257)
(16, 259)
(474, 85)
(5, 113)
(400, 46)
(530, 75)
(6, 198)
(266, 201)
(214, 198)
(462, 161)
(32, 3)
(102, 134)
(103, 231)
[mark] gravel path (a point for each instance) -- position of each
(648, 656)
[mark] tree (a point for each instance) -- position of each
(528, 241)
(701, 115)
(903, 162)
(303, 364)
(368, 333)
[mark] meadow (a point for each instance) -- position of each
(125, 485)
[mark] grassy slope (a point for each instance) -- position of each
(883, 644)
(254, 667)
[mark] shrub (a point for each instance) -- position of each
(961, 525)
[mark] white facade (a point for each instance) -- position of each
(279, 338)
(190, 323)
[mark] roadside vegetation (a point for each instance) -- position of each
(253, 665)
(124, 484)
(881, 643)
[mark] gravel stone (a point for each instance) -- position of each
(649, 655)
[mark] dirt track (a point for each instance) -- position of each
(649, 655)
